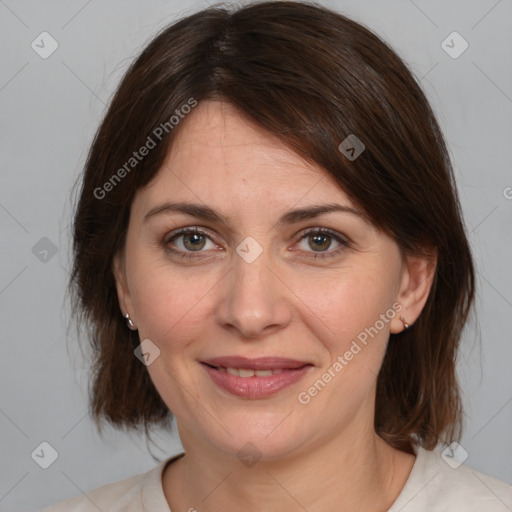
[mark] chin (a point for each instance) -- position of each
(272, 437)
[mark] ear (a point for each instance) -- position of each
(123, 293)
(417, 277)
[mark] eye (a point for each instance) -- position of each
(188, 241)
(320, 240)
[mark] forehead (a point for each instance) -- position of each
(221, 158)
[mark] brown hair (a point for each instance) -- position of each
(311, 77)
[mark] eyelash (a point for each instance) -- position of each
(345, 244)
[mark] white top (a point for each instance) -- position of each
(433, 486)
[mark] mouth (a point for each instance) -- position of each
(255, 378)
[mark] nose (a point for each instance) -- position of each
(254, 301)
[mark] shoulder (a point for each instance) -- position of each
(438, 483)
(134, 494)
(112, 497)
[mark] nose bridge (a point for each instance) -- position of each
(254, 300)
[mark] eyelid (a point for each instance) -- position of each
(338, 236)
(186, 230)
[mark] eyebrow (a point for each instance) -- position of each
(289, 217)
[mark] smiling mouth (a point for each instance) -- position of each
(255, 378)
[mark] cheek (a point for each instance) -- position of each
(354, 335)
(170, 304)
(172, 312)
(349, 303)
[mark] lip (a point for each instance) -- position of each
(255, 387)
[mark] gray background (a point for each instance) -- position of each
(49, 110)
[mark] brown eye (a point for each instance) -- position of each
(319, 240)
(187, 241)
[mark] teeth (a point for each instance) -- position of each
(243, 372)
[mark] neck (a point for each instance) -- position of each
(363, 474)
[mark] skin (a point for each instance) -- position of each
(324, 455)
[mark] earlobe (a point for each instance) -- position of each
(417, 278)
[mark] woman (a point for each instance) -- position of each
(269, 244)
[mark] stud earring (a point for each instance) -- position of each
(129, 322)
(406, 325)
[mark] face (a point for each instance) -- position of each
(308, 300)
